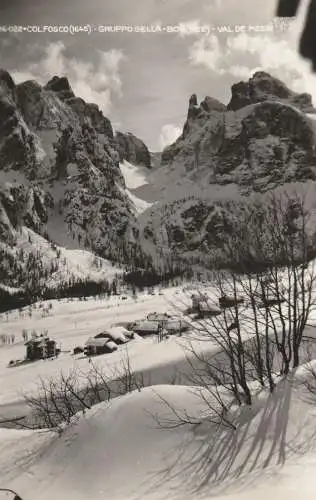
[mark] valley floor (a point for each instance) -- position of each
(126, 449)
(72, 323)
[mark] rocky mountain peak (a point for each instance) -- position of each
(210, 109)
(208, 105)
(193, 106)
(91, 111)
(263, 138)
(59, 170)
(61, 86)
(7, 85)
(261, 87)
(211, 104)
(132, 149)
(201, 112)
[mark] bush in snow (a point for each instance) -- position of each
(61, 400)
(260, 338)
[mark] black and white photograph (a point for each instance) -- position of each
(157, 249)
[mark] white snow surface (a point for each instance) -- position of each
(72, 263)
(134, 175)
(139, 204)
(71, 323)
(124, 451)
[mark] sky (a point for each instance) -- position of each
(143, 81)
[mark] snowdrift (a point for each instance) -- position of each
(126, 451)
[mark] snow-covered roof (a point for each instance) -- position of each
(174, 323)
(147, 326)
(112, 345)
(39, 340)
(157, 316)
(97, 342)
(118, 332)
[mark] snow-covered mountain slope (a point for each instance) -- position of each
(65, 175)
(135, 177)
(196, 228)
(38, 262)
(263, 140)
(60, 173)
(132, 449)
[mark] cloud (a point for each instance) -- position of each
(169, 133)
(95, 82)
(242, 54)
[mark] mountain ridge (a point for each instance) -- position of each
(59, 167)
(263, 140)
(62, 169)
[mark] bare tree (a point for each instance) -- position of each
(60, 401)
(278, 246)
(266, 299)
(214, 409)
(309, 378)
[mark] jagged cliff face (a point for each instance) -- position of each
(197, 118)
(59, 170)
(263, 139)
(262, 87)
(132, 149)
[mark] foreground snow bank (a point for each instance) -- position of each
(124, 451)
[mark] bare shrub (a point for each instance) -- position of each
(266, 297)
(60, 401)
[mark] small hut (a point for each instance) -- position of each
(97, 346)
(226, 301)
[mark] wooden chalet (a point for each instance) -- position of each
(41, 348)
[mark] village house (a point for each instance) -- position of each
(97, 346)
(207, 309)
(168, 323)
(41, 348)
(176, 326)
(146, 327)
(117, 334)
